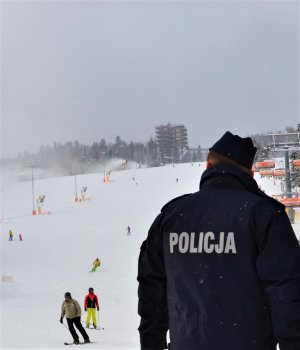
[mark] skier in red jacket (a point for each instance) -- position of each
(90, 304)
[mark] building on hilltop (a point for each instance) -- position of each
(172, 142)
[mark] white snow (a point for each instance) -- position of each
(58, 250)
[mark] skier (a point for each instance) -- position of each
(96, 264)
(20, 237)
(10, 235)
(71, 309)
(90, 304)
(128, 230)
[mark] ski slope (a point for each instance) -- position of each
(57, 251)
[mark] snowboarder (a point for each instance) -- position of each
(71, 309)
(10, 235)
(20, 237)
(91, 302)
(128, 230)
(96, 264)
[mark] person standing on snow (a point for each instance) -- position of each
(10, 235)
(91, 302)
(220, 268)
(71, 309)
(20, 237)
(96, 264)
(128, 230)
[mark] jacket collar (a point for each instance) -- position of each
(226, 175)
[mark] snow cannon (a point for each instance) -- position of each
(106, 177)
(83, 194)
(40, 202)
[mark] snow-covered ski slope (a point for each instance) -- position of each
(58, 250)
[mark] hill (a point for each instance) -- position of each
(58, 250)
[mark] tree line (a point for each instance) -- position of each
(75, 157)
(70, 157)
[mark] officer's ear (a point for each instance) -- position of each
(208, 164)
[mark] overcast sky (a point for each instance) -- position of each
(86, 70)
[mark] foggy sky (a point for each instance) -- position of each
(90, 70)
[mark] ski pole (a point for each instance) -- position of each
(65, 325)
(98, 320)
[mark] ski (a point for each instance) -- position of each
(80, 343)
(95, 329)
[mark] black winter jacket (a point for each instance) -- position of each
(220, 269)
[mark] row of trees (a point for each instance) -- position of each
(65, 159)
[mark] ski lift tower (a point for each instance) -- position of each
(285, 143)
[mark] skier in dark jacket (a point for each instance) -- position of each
(220, 268)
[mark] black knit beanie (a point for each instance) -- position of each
(236, 148)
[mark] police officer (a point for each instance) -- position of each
(220, 268)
